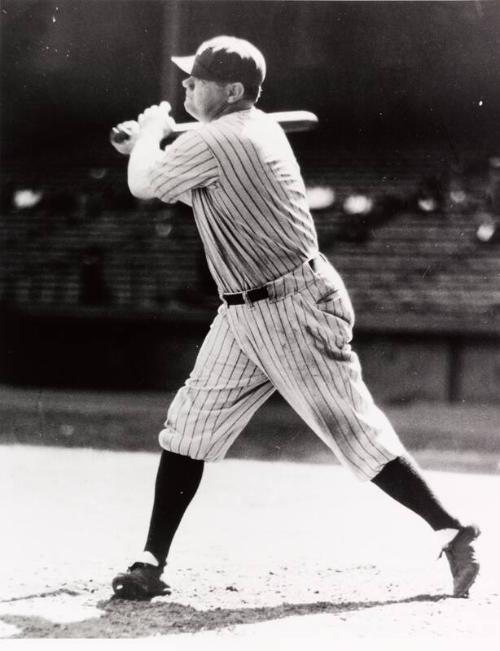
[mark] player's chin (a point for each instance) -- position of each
(190, 109)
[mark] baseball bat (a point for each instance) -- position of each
(291, 121)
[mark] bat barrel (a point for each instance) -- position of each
(293, 121)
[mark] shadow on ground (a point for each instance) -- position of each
(125, 619)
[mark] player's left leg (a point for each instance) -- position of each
(307, 356)
(309, 359)
(402, 480)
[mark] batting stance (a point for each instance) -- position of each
(285, 320)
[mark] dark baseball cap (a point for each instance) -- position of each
(225, 59)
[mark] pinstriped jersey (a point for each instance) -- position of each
(244, 184)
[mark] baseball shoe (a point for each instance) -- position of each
(141, 581)
(461, 556)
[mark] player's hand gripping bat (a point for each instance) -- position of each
(291, 121)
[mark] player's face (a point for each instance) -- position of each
(205, 100)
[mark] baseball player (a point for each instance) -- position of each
(285, 319)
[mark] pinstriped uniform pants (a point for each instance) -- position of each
(296, 342)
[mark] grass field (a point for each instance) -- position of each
(459, 436)
(275, 554)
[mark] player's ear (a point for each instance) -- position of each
(235, 92)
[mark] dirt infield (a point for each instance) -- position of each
(269, 552)
(456, 436)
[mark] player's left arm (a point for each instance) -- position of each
(186, 164)
(169, 175)
(143, 145)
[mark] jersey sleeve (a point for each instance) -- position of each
(186, 164)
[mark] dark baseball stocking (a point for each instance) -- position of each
(402, 480)
(177, 481)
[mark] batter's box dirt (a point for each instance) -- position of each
(294, 546)
(116, 618)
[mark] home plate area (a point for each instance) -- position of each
(268, 550)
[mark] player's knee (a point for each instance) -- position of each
(194, 447)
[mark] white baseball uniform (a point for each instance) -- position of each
(249, 202)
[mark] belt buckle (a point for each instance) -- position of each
(246, 299)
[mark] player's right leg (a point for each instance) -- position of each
(220, 396)
(223, 391)
(177, 481)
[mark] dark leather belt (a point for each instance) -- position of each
(261, 293)
(251, 296)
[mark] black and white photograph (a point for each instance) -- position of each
(250, 323)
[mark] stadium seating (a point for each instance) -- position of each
(87, 244)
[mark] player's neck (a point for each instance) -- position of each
(226, 109)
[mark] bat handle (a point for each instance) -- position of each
(118, 136)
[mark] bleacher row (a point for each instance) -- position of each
(86, 244)
(423, 272)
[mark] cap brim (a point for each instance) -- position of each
(184, 63)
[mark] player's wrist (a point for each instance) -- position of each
(151, 134)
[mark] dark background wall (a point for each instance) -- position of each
(391, 70)
(71, 68)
